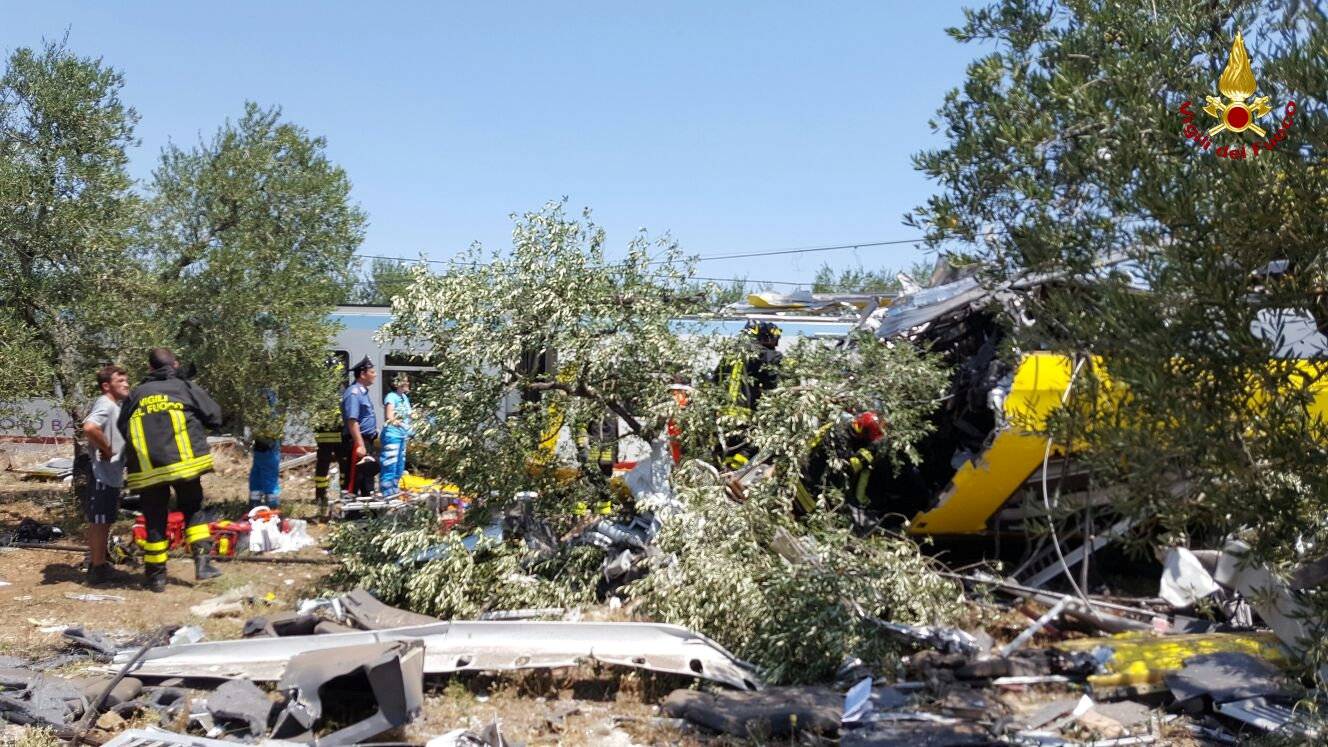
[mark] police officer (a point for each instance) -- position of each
(165, 421)
(361, 430)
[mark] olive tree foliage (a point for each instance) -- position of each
(69, 299)
(380, 282)
(794, 597)
(251, 237)
(583, 337)
(1068, 143)
(552, 330)
(822, 382)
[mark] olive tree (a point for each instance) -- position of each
(71, 299)
(1092, 131)
(251, 237)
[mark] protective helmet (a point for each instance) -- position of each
(868, 427)
(764, 332)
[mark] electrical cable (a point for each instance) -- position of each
(1046, 495)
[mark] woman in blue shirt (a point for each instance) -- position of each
(392, 454)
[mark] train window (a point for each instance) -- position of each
(343, 356)
(406, 359)
(416, 378)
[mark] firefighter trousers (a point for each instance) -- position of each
(155, 501)
(327, 453)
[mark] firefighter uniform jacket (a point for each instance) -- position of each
(165, 422)
(328, 425)
(835, 442)
(745, 379)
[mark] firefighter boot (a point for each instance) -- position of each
(154, 577)
(203, 568)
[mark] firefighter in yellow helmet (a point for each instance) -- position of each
(165, 421)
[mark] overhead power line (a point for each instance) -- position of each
(698, 258)
(805, 250)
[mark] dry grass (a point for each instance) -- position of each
(582, 706)
(39, 579)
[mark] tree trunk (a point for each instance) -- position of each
(82, 482)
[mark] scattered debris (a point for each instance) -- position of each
(92, 641)
(186, 634)
(1264, 714)
(229, 603)
(1184, 579)
(95, 597)
(489, 736)
(470, 646)
(55, 468)
(1224, 677)
(362, 609)
(45, 700)
(1137, 659)
(773, 712)
(155, 737)
(243, 702)
(393, 672)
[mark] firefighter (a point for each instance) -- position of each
(327, 435)
(597, 444)
(849, 443)
(744, 379)
(165, 422)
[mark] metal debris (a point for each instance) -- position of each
(394, 673)
(459, 646)
(1264, 714)
(242, 701)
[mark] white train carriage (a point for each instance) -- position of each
(41, 421)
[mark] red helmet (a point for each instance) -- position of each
(868, 426)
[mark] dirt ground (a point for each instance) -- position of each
(575, 707)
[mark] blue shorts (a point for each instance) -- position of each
(103, 503)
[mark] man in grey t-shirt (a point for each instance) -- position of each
(106, 444)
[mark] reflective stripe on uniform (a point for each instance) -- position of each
(179, 471)
(322, 482)
(140, 442)
(735, 381)
(804, 498)
(327, 437)
(197, 533)
(860, 493)
(181, 430)
(154, 552)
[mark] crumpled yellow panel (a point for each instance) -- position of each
(1144, 658)
(416, 483)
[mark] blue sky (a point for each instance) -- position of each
(734, 126)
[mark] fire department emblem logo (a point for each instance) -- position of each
(1236, 112)
(1237, 84)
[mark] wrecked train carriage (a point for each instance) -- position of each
(986, 453)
